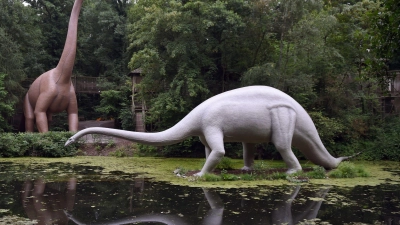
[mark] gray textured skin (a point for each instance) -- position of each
(250, 115)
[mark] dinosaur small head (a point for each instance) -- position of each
(69, 141)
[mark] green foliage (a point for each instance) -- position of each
(125, 151)
(20, 39)
(210, 177)
(50, 144)
(277, 176)
(260, 165)
(126, 117)
(226, 163)
(110, 103)
(120, 152)
(381, 144)
(6, 107)
(102, 40)
(182, 48)
(318, 172)
(187, 148)
(189, 51)
(247, 176)
(228, 177)
(148, 150)
(328, 128)
(331, 57)
(348, 170)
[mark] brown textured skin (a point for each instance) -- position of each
(53, 92)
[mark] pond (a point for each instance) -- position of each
(63, 193)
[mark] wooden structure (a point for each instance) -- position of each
(391, 103)
(138, 107)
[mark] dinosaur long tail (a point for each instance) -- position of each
(349, 157)
(171, 136)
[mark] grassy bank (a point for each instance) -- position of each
(161, 169)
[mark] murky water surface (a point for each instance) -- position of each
(79, 194)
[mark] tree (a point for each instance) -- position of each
(185, 50)
(20, 38)
(102, 40)
(6, 106)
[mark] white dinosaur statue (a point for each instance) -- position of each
(251, 115)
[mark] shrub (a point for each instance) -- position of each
(348, 170)
(227, 176)
(50, 144)
(318, 172)
(226, 163)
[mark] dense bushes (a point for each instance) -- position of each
(383, 144)
(49, 144)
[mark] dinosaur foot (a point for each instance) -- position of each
(247, 168)
(293, 170)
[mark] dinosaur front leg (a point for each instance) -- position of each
(41, 122)
(248, 155)
(29, 115)
(42, 105)
(72, 111)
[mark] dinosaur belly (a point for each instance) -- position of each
(59, 104)
(248, 128)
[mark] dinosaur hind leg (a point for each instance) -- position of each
(215, 140)
(248, 155)
(283, 125)
(29, 115)
(207, 148)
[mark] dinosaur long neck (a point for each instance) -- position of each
(67, 60)
(171, 136)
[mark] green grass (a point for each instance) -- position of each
(161, 169)
(345, 170)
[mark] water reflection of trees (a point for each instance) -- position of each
(53, 203)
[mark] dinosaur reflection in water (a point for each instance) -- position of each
(213, 216)
(284, 214)
(55, 207)
(46, 203)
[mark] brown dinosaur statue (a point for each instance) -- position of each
(53, 92)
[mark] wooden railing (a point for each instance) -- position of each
(86, 84)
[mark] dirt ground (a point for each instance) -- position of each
(104, 149)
